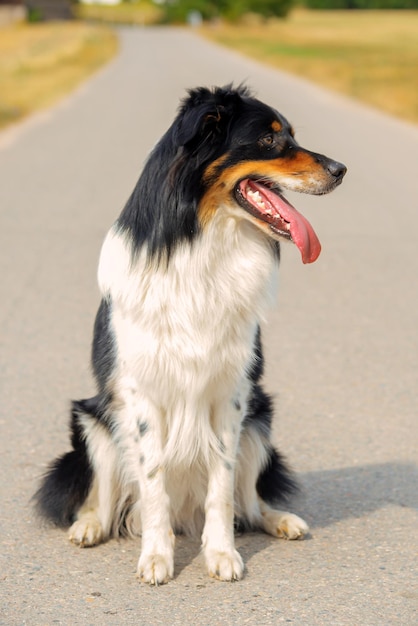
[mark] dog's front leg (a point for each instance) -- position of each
(156, 563)
(222, 559)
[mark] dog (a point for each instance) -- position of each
(177, 439)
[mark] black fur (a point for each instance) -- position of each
(103, 352)
(162, 210)
(68, 479)
(161, 213)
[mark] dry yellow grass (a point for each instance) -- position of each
(135, 12)
(40, 63)
(370, 55)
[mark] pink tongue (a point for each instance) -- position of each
(301, 231)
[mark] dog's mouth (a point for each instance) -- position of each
(265, 202)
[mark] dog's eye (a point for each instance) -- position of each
(267, 141)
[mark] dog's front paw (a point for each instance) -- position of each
(224, 565)
(155, 569)
(86, 531)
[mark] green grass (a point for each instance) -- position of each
(370, 55)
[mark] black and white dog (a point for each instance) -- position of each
(177, 438)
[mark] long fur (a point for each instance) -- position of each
(177, 439)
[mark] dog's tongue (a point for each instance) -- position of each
(277, 210)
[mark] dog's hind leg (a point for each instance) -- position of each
(251, 510)
(95, 518)
(262, 477)
(274, 483)
(281, 523)
(87, 530)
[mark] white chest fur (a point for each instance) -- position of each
(187, 328)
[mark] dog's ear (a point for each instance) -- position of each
(201, 122)
(205, 115)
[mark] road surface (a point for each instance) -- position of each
(342, 354)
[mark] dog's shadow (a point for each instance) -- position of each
(328, 497)
(352, 492)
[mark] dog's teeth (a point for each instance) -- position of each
(254, 194)
(256, 197)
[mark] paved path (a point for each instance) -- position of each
(342, 355)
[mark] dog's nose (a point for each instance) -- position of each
(337, 169)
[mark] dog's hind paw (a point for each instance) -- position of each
(86, 531)
(285, 525)
(225, 565)
(155, 569)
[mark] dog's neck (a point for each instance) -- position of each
(230, 264)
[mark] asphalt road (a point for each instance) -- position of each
(342, 348)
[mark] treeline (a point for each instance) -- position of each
(182, 10)
(362, 4)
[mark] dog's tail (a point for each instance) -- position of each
(68, 479)
(276, 482)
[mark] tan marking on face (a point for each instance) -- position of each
(302, 167)
(276, 126)
(216, 195)
(211, 169)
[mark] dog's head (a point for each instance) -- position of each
(253, 158)
(227, 151)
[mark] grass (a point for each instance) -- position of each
(39, 63)
(370, 55)
(140, 13)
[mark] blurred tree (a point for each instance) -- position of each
(362, 4)
(270, 8)
(179, 10)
